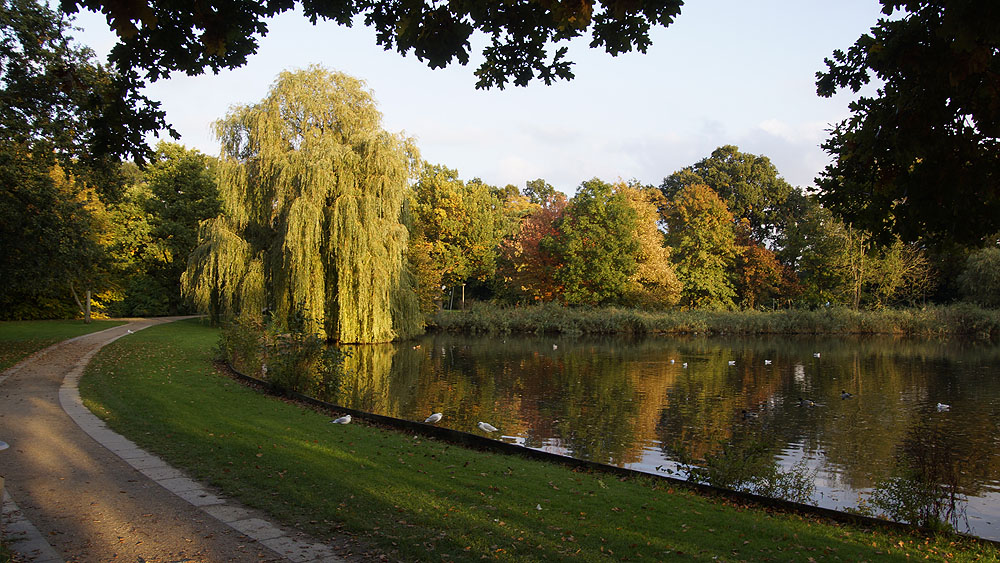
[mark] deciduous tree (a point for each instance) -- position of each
(156, 228)
(901, 275)
(312, 191)
(921, 157)
(526, 270)
(56, 101)
(758, 273)
(461, 222)
(980, 281)
(700, 232)
(66, 120)
(654, 284)
(749, 185)
(540, 192)
(53, 232)
(596, 245)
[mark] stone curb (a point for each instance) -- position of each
(23, 537)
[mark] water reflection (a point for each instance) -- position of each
(653, 404)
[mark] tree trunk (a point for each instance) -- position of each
(86, 309)
(76, 298)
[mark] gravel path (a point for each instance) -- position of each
(76, 491)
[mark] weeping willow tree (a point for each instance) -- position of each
(313, 190)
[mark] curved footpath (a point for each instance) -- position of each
(76, 491)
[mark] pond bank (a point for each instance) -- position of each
(498, 445)
(551, 318)
(422, 499)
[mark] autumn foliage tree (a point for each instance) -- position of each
(654, 285)
(66, 121)
(525, 267)
(749, 184)
(758, 272)
(700, 232)
(460, 223)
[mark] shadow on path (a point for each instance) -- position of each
(77, 491)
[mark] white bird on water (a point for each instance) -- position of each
(433, 418)
(767, 362)
(486, 426)
(684, 365)
(816, 354)
(732, 362)
(941, 407)
(346, 419)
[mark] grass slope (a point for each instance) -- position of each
(20, 339)
(422, 500)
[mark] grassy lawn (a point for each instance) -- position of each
(20, 339)
(416, 499)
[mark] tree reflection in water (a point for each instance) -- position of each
(630, 402)
(929, 481)
(748, 462)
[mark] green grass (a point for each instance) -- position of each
(417, 499)
(951, 320)
(20, 339)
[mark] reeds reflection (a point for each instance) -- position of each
(652, 403)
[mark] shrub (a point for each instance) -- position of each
(747, 463)
(291, 359)
(980, 281)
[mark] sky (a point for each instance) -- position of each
(725, 72)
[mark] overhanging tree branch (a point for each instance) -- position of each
(159, 36)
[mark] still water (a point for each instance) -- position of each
(666, 405)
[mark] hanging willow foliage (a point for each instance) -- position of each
(312, 190)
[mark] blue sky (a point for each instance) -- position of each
(726, 72)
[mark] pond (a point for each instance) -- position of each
(723, 408)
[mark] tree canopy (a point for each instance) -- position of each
(526, 270)
(748, 183)
(66, 121)
(654, 284)
(921, 157)
(160, 36)
(980, 280)
(58, 102)
(312, 194)
(700, 232)
(596, 242)
(156, 228)
(460, 221)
